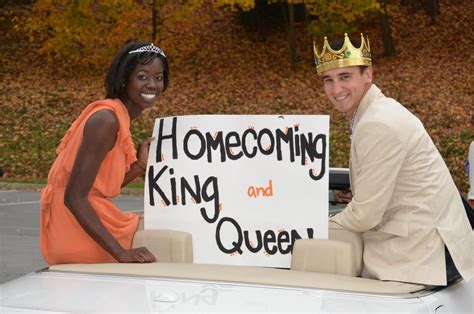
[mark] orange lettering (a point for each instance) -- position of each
(256, 191)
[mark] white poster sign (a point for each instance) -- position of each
(245, 186)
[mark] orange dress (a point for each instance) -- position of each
(62, 239)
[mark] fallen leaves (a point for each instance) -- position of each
(229, 72)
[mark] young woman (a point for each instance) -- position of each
(96, 157)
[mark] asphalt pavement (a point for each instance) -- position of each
(19, 226)
(19, 230)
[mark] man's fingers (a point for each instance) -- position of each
(343, 196)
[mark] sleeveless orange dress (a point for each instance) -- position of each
(62, 239)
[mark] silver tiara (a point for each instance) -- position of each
(149, 48)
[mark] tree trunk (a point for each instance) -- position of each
(388, 46)
(307, 21)
(414, 4)
(153, 20)
(261, 8)
(432, 9)
(292, 34)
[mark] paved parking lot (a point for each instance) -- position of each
(19, 225)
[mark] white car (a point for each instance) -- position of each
(324, 277)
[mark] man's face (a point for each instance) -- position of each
(346, 86)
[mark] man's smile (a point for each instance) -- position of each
(339, 98)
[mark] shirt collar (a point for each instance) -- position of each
(368, 98)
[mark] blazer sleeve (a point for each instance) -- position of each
(380, 154)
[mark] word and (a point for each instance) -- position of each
(256, 191)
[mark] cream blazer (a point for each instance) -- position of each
(405, 202)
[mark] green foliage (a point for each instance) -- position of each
(334, 17)
(328, 17)
(244, 5)
(86, 32)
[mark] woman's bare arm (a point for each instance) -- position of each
(99, 137)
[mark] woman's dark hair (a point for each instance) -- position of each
(123, 64)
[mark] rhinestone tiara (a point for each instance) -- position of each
(149, 48)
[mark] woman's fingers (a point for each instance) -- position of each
(144, 255)
(140, 255)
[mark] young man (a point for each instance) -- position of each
(404, 201)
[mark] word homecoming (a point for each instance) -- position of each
(230, 146)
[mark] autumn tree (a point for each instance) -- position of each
(431, 7)
(389, 47)
(87, 32)
(155, 21)
(333, 17)
(326, 17)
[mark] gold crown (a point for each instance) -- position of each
(348, 55)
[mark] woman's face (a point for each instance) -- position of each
(144, 86)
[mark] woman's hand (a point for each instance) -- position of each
(139, 167)
(343, 196)
(142, 156)
(136, 255)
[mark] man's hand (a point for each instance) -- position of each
(343, 196)
(137, 255)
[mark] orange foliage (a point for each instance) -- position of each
(86, 32)
(226, 70)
